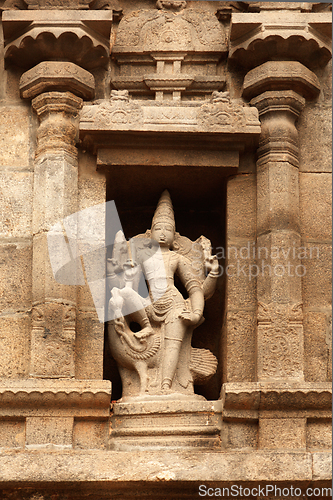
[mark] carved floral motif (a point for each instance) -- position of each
(280, 334)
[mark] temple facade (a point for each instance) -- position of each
(165, 320)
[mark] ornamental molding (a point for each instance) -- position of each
(219, 115)
(303, 36)
(33, 36)
(47, 397)
(281, 396)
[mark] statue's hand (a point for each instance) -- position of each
(212, 264)
(113, 266)
(189, 317)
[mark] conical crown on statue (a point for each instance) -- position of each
(164, 210)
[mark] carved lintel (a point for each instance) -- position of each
(216, 116)
(57, 132)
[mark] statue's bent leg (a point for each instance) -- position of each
(134, 302)
(174, 335)
(142, 370)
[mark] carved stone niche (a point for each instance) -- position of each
(78, 36)
(143, 147)
(169, 52)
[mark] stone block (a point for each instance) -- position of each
(53, 340)
(44, 283)
(14, 137)
(90, 434)
(315, 203)
(241, 272)
(279, 267)
(315, 139)
(49, 432)
(319, 434)
(92, 190)
(282, 433)
(322, 467)
(317, 281)
(16, 203)
(14, 345)
(89, 344)
(241, 206)
(55, 192)
(12, 433)
(238, 349)
(317, 344)
(280, 351)
(277, 197)
(16, 279)
(239, 435)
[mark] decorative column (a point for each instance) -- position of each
(278, 90)
(55, 197)
(279, 282)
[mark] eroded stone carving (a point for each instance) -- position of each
(158, 359)
(119, 111)
(222, 112)
(280, 334)
(156, 30)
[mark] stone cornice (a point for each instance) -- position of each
(282, 396)
(258, 37)
(49, 397)
(34, 36)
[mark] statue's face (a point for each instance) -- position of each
(163, 233)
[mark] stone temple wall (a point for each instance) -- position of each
(228, 106)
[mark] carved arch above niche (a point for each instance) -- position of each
(173, 49)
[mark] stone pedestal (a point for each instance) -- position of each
(166, 424)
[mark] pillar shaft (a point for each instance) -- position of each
(279, 286)
(55, 197)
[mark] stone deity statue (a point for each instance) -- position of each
(158, 360)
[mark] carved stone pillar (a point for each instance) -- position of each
(280, 271)
(55, 197)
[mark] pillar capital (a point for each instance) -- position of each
(57, 133)
(57, 76)
(281, 75)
